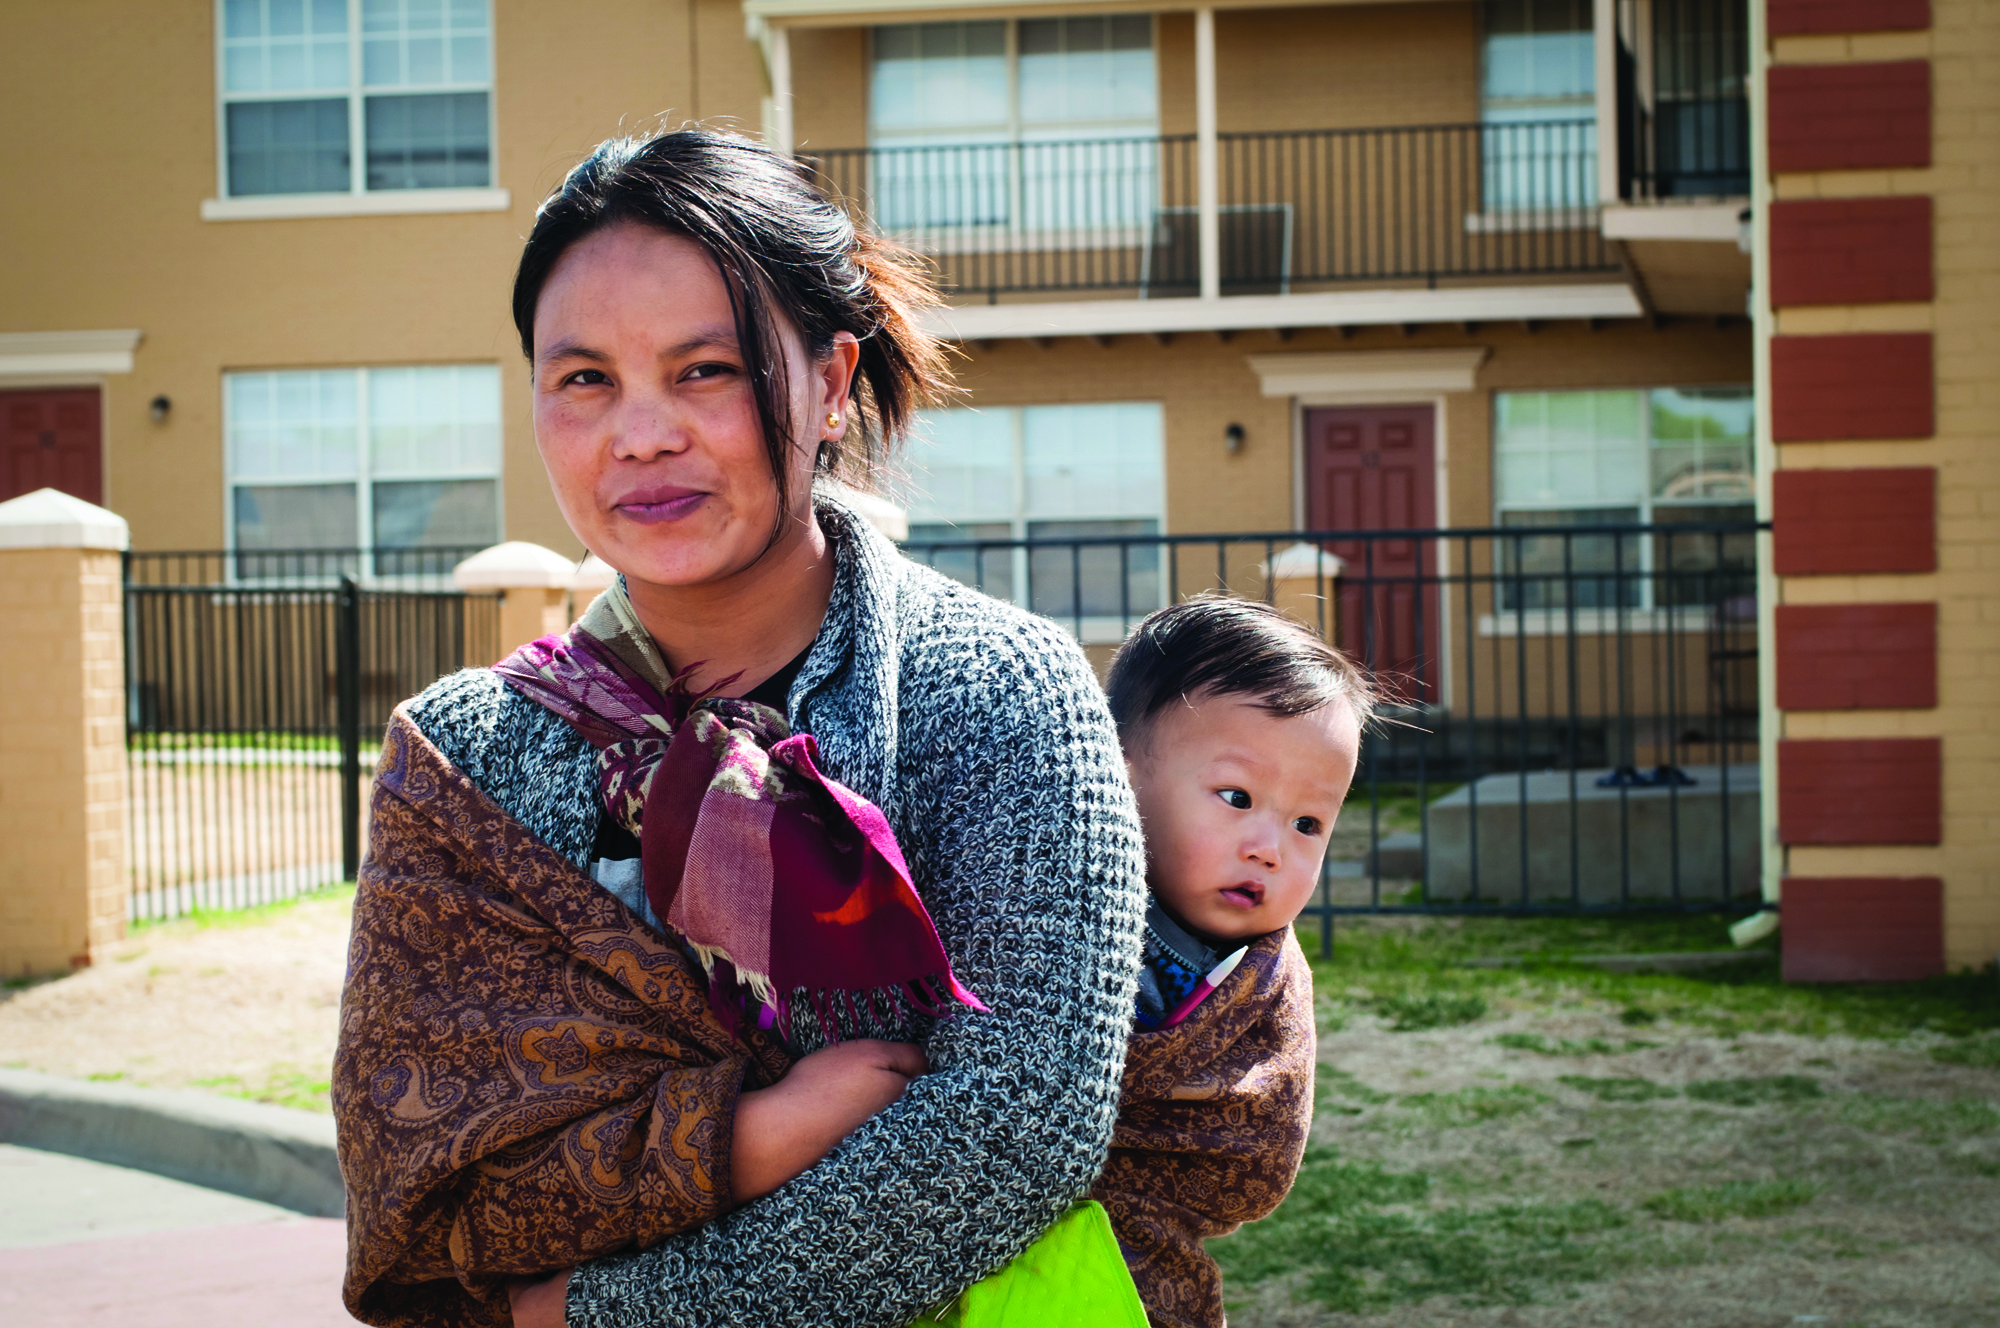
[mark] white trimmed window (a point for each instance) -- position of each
(1010, 115)
(1045, 473)
(1660, 456)
(354, 96)
(1538, 76)
(390, 458)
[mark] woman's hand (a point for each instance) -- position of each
(784, 1129)
(539, 1304)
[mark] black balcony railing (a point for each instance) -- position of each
(1297, 210)
(1685, 131)
(1572, 711)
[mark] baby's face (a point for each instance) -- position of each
(1237, 805)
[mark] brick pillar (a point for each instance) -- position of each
(533, 585)
(1879, 371)
(63, 871)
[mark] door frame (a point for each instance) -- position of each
(1440, 499)
(72, 382)
(32, 361)
(1380, 378)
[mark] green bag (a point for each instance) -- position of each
(1073, 1277)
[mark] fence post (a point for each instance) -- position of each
(63, 851)
(347, 721)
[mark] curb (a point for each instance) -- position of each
(277, 1154)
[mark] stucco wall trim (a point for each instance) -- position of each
(382, 203)
(1369, 376)
(1472, 304)
(81, 354)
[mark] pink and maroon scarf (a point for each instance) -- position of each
(786, 884)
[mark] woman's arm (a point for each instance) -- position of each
(1028, 854)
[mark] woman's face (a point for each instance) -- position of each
(645, 415)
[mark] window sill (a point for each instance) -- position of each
(383, 203)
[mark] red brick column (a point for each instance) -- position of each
(1856, 657)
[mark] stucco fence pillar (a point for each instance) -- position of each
(63, 870)
(533, 585)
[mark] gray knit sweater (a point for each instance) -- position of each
(981, 733)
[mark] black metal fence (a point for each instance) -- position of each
(1684, 132)
(256, 688)
(1571, 718)
(1299, 209)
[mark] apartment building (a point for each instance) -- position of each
(266, 246)
(1228, 268)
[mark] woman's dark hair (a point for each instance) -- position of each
(1216, 645)
(783, 250)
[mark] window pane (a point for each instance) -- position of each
(1705, 567)
(424, 43)
(959, 468)
(1085, 71)
(284, 46)
(433, 142)
(291, 425)
(1093, 461)
(938, 76)
(1539, 51)
(287, 147)
(295, 516)
(437, 513)
(989, 570)
(1701, 444)
(1602, 570)
(1568, 449)
(434, 420)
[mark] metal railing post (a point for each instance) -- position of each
(347, 701)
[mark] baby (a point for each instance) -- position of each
(1241, 729)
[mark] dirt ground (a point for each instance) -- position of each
(1546, 1156)
(246, 1005)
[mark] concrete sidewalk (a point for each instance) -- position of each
(83, 1244)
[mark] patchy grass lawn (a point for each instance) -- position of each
(1550, 1144)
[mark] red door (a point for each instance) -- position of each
(1374, 468)
(50, 439)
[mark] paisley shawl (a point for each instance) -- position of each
(529, 1076)
(1212, 1124)
(787, 885)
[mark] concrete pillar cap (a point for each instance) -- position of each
(592, 578)
(515, 565)
(52, 519)
(873, 508)
(1297, 562)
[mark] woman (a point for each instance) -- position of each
(707, 336)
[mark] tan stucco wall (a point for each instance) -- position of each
(1206, 384)
(830, 87)
(1339, 67)
(1963, 181)
(62, 782)
(110, 148)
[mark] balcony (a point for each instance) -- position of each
(1295, 214)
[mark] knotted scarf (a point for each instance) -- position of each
(786, 884)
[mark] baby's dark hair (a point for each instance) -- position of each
(1217, 645)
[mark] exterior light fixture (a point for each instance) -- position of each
(1232, 439)
(159, 406)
